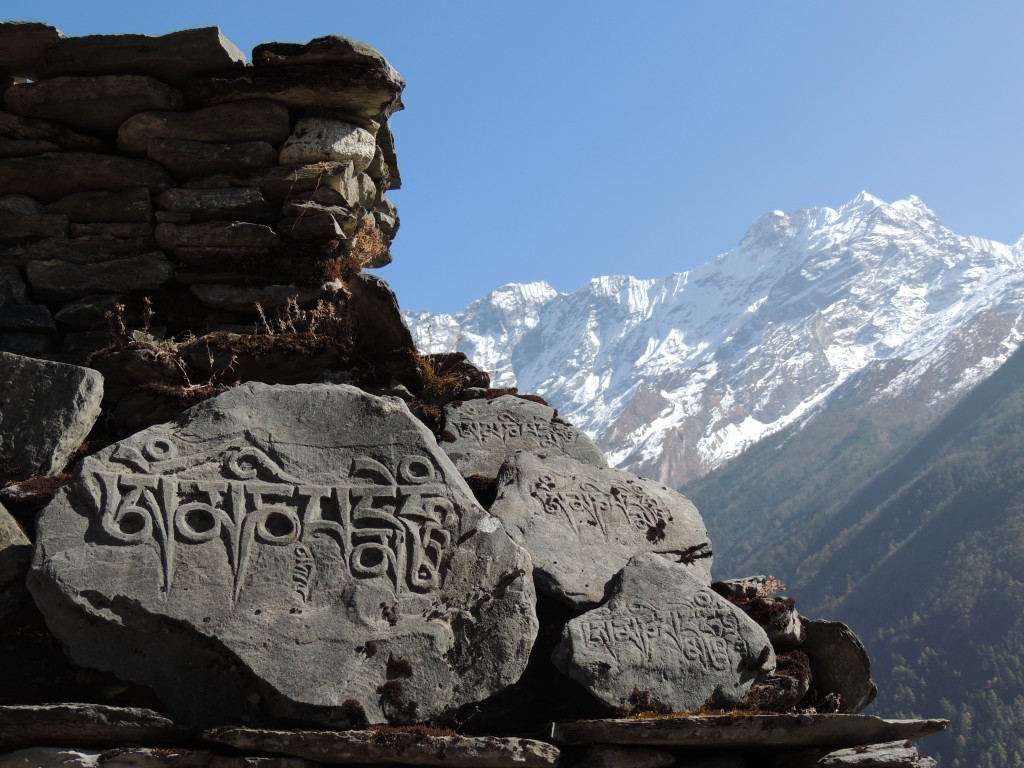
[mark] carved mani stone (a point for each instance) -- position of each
(301, 552)
(664, 642)
(582, 524)
(483, 433)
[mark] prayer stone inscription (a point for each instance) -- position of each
(483, 433)
(664, 641)
(301, 551)
(582, 524)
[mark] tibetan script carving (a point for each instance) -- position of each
(693, 629)
(389, 525)
(585, 502)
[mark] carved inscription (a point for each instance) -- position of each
(694, 631)
(506, 427)
(582, 502)
(387, 525)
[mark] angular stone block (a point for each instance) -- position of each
(129, 205)
(173, 58)
(840, 665)
(50, 177)
(23, 44)
(18, 128)
(317, 139)
(233, 203)
(303, 552)
(92, 104)
(664, 642)
(46, 411)
(242, 121)
(484, 433)
(582, 524)
(62, 280)
(194, 159)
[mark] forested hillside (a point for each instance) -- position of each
(917, 543)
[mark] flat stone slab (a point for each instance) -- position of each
(173, 58)
(303, 552)
(61, 280)
(242, 121)
(894, 754)
(582, 524)
(484, 433)
(85, 725)
(664, 642)
(46, 412)
(393, 747)
(746, 731)
(51, 176)
(92, 104)
(141, 757)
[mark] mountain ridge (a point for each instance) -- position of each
(674, 376)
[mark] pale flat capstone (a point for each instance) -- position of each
(394, 748)
(483, 433)
(84, 725)
(746, 731)
(582, 524)
(46, 410)
(664, 642)
(304, 552)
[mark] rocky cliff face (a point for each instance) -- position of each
(673, 377)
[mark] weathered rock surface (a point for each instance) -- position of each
(61, 280)
(195, 159)
(15, 553)
(92, 104)
(394, 748)
(84, 725)
(317, 139)
(173, 58)
(665, 642)
(50, 177)
(139, 757)
(25, 147)
(582, 524)
(241, 121)
(747, 731)
(328, 72)
(895, 754)
(46, 411)
(487, 432)
(839, 664)
(26, 129)
(23, 45)
(216, 234)
(235, 204)
(19, 227)
(79, 250)
(303, 552)
(129, 205)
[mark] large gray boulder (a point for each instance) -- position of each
(664, 642)
(483, 433)
(582, 524)
(46, 412)
(303, 552)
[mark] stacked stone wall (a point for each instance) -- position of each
(168, 185)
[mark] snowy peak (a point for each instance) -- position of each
(675, 376)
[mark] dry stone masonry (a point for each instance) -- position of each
(243, 521)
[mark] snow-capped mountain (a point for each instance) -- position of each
(674, 376)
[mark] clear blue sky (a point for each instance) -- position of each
(567, 139)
